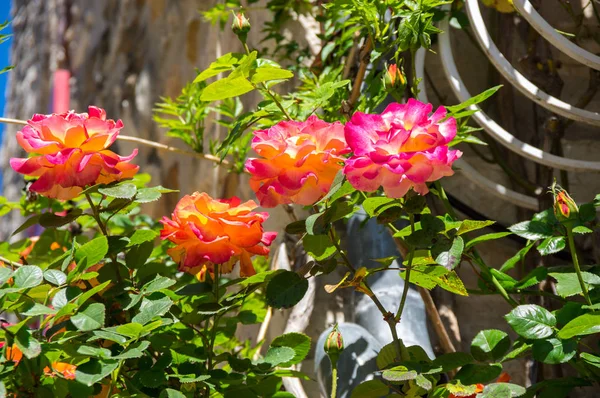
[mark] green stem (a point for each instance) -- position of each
(495, 282)
(413, 66)
(573, 251)
(387, 315)
(96, 215)
(213, 332)
(115, 379)
(334, 377)
(411, 254)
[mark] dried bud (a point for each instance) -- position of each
(565, 208)
(334, 345)
(241, 26)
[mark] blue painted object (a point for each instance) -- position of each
(363, 339)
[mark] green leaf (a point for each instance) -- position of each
(473, 225)
(137, 256)
(89, 293)
(318, 246)
(55, 277)
(132, 330)
(28, 276)
(531, 321)
(152, 308)
(452, 361)
(28, 223)
(170, 393)
(370, 389)
(90, 318)
(315, 224)
(94, 370)
(399, 374)
(502, 390)
(225, 63)
(374, 206)
(97, 352)
(121, 191)
(51, 220)
(582, 229)
(142, 235)
(554, 351)
(94, 251)
(581, 326)
(105, 335)
(38, 309)
(567, 284)
(267, 73)
(552, 245)
(532, 230)
(519, 349)
(134, 351)
(286, 289)
(475, 373)
(147, 195)
(448, 254)
(519, 256)
(279, 355)
(160, 282)
(28, 345)
(299, 342)
(490, 345)
(226, 88)
(474, 100)
(536, 276)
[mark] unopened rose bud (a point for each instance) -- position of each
(565, 208)
(241, 26)
(334, 345)
(394, 81)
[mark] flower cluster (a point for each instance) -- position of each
(298, 163)
(70, 152)
(404, 147)
(206, 232)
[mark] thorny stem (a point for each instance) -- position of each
(573, 251)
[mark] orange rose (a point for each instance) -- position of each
(71, 153)
(298, 161)
(208, 231)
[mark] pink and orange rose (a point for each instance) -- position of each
(298, 161)
(70, 152)
(206, 232)
(402, 148)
